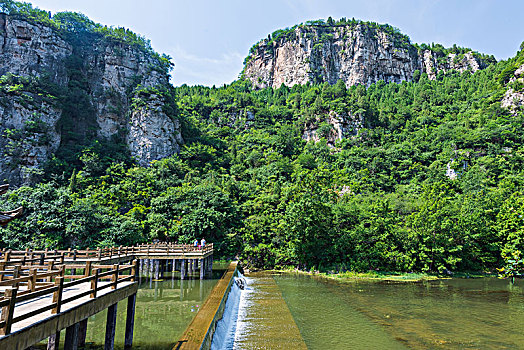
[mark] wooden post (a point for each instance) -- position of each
(110, 327)
(57, 295)
(183, 269)
(8, 311)
(82, 332)
(42, 257)
(130, 321)
(53, 341)
(134, 270)
(2, 268)
(94, 283)
(49, 269)
(99, 254)
(114, 277)
(71, 337)
(31, 283)
(87, 270)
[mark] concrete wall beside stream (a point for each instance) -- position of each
(199, 333)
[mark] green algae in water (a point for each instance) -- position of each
(327, 322)
(485, 313)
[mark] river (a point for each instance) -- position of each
(485, 313)
(297, 311)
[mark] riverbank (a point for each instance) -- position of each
(383, 276)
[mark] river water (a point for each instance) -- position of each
(297, 311)
(164, 309)
(485, 313)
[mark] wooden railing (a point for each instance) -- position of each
(40, 257)
(55, 282)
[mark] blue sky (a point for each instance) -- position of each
(208, 39)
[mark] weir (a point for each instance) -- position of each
(199, 334)
(46, 292)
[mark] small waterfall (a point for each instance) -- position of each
(226, 328)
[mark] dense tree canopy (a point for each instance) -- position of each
(380, 198)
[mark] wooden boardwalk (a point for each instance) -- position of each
(44, 292)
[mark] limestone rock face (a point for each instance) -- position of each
(153, 134)
(107, 72)
(355, 54)
(29, 137)
(514, 97)
(32, 49)
(114, 71)
(334, 127)
(432, 64)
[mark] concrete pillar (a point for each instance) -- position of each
(110, 327)
(151, 261)
(202, 268)
(210, 265)
(82, 332)
(174, 266)
(157, 267)
(130, 321)
(54, 341)
(71, 337)
(181, 289)
(183, 269)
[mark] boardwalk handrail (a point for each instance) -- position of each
(10, 257)
(57, 288)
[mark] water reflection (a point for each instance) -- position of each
(164, 309)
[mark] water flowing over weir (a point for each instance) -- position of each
(257, 318)
(226, 328)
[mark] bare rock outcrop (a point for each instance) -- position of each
(334, 127)
(32, 49)
(153, 134)
(104, 72)
(514, 97)
(356, 54)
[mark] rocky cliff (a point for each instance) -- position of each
(513, 99)
(59, 87)
(355, 52)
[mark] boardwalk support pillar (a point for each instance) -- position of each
(130, 321)
(82, 332)
(54, 341)
(202, 264)
(71, 337)
(183, 269)
(110, 328)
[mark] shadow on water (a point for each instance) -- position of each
(164, 309)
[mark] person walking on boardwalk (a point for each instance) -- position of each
(202, 243)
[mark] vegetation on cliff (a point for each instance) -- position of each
(432, 182)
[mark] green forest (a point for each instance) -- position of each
(247, 181)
